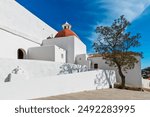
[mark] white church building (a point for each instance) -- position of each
(30, 43)
(67, 47)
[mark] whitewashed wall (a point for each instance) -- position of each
(41, 53)
(20, 29)
(146, 83)
(32, 69)
(79, 47)
(56, 85)
(9, 44)
(47, 53)
(71, 44)
(16, 19)
(82, 59)
(60, 55)
(133, 77)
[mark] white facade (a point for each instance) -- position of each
(20, 29)
(82, 59)
(18, 19)
(11, 43)
(73, 46)
(47, 53)
(133, 76)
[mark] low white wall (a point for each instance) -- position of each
(46, 53)
(62, 84)
(133, 76)
(32, 69)
(146, 83)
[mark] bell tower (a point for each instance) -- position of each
(66, 26)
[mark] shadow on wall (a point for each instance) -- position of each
(8, 78)
(15, 71)
(105, 79)
(72, 68)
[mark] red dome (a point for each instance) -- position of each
(65, 33)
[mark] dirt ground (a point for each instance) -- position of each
(103, 94)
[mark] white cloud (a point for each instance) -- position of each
(112, 9)
(132, 9)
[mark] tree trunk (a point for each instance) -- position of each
(122, 76)
(123, 82)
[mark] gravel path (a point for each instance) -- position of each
(103, 94)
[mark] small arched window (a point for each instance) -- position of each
(21, 53)
(65, 27)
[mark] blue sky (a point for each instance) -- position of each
(86, 15)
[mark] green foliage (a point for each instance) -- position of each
(114, 44)
(146, 73)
